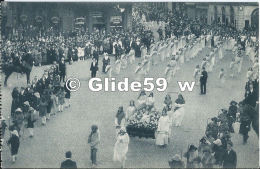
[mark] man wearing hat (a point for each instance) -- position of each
(229, 157)
(62, 69)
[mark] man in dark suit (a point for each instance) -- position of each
(230, 157)
(94, 68)
(95, 54)
(68, 163)
(203, 81)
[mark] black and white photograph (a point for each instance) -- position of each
(129, 84)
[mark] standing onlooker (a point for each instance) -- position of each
(62, 69)
(30, 121)
(106, 62)
(3, 127)
(67, 94)
(15, 143)
(93, 68)
(176, 162)
(192, 157)
(43, 109)
(230, 157)
(121, 147)
(94, 140)
(68, 163)
(203, 81)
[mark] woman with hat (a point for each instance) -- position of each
(192, 156)
(30, 121)
(163, 129)
(207, 159)
(18, 120)
(176, 162)
(121, 147)
(218, 150)
(15, 143)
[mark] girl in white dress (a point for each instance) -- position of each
(121, 147)
(212, 62)
(196, 74)
(141, 99)
(163, 129)
(117, 66)
(220, 52)
(178, 111)
(139, 72)
(232, 68)
(131, 56)
(130, 110)
(221, 76)
(123, 61)
(171, 70)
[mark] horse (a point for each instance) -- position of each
(23, 67)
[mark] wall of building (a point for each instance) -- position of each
(241, 14)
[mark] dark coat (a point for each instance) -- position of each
(204, 76)
(67, 91)
(68, 164)
(62, 68)
(30, 122)
(230, 160)
(43, 107)
(15, 143)
(93, 68)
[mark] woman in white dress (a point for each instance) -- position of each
(162, 136)
(178, 111)
(131, 56)
(212, 61)
(196, 74)
(170, 70)
(121, 147)
(141, 99)
(117, 66)
(123, 61)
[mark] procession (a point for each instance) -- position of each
(213, 124)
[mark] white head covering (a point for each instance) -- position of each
(217, 142)
(15, 132)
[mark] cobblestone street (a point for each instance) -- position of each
(69, 129)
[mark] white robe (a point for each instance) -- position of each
(162, 136)
(178, 115)
(121, 148)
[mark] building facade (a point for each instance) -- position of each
(67, 16)
(239, 15)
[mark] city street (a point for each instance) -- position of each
(69, 129)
